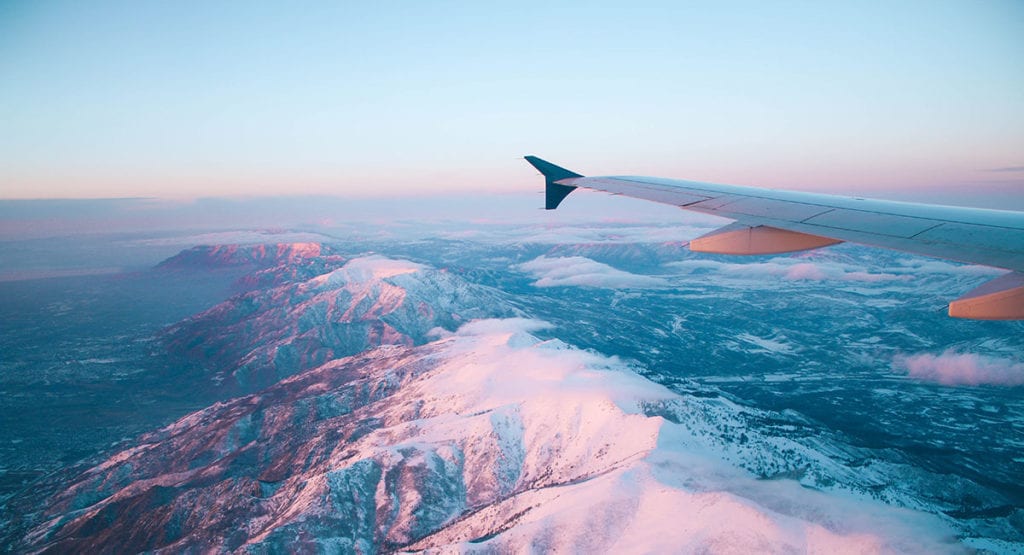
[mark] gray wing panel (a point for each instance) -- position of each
(989, 237)
(653, 192)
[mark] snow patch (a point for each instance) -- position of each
(769, 345)
(787, 268)
(368, 269)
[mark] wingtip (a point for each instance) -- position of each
(554, 192)
(550, 171)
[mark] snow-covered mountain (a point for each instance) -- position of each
(256, 338)
(485, 440)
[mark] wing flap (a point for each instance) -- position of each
(741, 239)
(999, 299)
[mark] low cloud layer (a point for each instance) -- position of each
(572, 233)
(614, 234)
(951, 368)
(786, 268)
(584, 272)
(932, 266)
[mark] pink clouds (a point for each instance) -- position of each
(951, 368)
(584, 272)
(805, 270)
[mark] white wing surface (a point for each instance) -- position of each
(773, 221)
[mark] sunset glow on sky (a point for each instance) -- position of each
(185, 99)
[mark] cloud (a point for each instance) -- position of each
(797, 269)
(572, 233)
(616, 234)
(951, 368)
(500, 326)
(1006, 169)
(584, 272)
(930, 266)
(786, 268)
(805, 270)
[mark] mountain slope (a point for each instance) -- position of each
(256, 338)
(484, 440)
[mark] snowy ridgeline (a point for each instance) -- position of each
(486, 439)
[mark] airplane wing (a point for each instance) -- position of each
(769, 221)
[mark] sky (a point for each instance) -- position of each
(185, 99)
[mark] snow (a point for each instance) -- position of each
(603, 476)
(769, 345)
(368, 269)
(490, 439)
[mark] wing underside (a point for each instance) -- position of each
(771, 221)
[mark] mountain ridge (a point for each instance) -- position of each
(421, 448)
(258, 337)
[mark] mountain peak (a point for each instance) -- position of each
(279, 329)
(368, 268)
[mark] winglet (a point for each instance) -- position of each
(553, 191)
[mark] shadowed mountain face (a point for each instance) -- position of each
(220, 256)
(267, 265)
(256, 338)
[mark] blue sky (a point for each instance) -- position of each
(184, 99)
